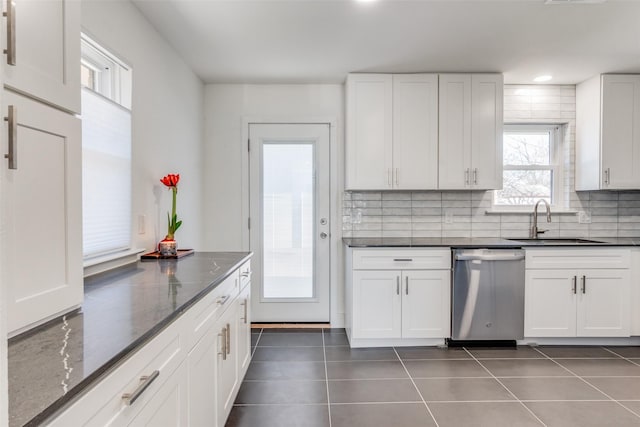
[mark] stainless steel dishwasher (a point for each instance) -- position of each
(488, 295)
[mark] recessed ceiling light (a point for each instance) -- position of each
(544, 78)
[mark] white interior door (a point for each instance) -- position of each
(289, 221)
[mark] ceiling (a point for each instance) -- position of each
(320, 41)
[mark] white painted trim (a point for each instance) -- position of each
(396, 342)
(104, 263)
(336, 178)
(581, 341)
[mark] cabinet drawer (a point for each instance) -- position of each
(245, 274)
(577, 258)
(104, 404)
(205, 312)
(402, 259)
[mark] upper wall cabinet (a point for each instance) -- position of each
(424, 131)
(43, 44)
(608, 133)
(392, 131)
(470, 133)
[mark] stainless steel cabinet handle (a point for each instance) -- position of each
(466, 176)
(397, 285)
(607, 176)
(244, 304)
(12, 122)
(475, 176)
(406, 286)
(11, 32)
(228, 339)
(584, 284)
(389, 177)
(130, 398)
(403, 259)
(323, 235)
(223, 335)
(223, 300)
(574, 285)
(397, 181)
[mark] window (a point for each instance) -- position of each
(532, 167)
(106, 151)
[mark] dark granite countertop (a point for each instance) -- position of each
(52, 364)
(418, 242)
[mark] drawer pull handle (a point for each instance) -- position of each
(574, 285)
(244, 304)
(246, 274)
(223, 300)
(584, 284)
(223, 335)
(406, 289)
(12, 120)
(10, 14)
(227, 346)
(403, 259)
(130, 398)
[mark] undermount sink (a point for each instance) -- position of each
(542, 241)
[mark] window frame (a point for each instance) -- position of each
(555, 165)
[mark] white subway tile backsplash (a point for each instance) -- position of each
(424, 213)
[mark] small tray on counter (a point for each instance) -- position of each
(156, 255)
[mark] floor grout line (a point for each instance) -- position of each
(416, 387)
(255, 347)
(621, 356)
(506, 388)
(326, 377)
(588, 383)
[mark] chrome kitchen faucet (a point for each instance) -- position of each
(534, 227)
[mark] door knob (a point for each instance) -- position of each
(323, 235)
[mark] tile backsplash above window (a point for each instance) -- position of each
(463, 213)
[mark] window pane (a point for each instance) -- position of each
(288, 218)
(529, 148)
(88, 77)
(525, 187)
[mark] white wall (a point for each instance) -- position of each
(228, 107)
(167, 120)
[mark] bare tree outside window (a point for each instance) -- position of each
(530, 166)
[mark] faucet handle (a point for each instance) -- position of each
(538, 231)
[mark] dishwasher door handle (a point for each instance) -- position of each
(491, 257)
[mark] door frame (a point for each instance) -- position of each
(336, 183)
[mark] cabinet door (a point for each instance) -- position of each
(244, 330)
(227, 363)
(620, 132)
(550, 303)
(486, 131)
(47, 35)
(377, 304)
(369, 132)
(454, 149)
(202, 366)
(43, 214)
(415, 131)
(604, 303)
(426, 304)
(168, 407)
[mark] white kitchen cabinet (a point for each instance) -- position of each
(408, 306)
(415, 131)
(572, 300)
(426, 304)
(244, 330)
(377, 304)
(470, 131)
(203, 371)
(168, 407)
(392, 132)
(196, 358)
(608, 133)
(228, 381)
(47, 52)
(369, 131)
(44, 213)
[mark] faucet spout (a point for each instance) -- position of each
(534, 227)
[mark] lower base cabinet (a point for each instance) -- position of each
(187, 375)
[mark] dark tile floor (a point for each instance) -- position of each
(312, 378)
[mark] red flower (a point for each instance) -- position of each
(171, 180)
